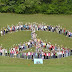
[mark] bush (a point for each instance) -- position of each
(36, 6)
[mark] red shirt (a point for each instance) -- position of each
(45, 54)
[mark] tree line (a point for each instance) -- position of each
(36, 6)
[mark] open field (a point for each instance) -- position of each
(64, 20)
(15, 38)
(20, 65)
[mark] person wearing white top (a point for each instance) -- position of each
(1, 52)
(24, 55)
(17, 27)
(52, 29)
(14, 49)
(1, 33)
(15, 54)
(42, 28)
(47, 55)
(28, 55)
(28, 44)
(69, 33)
(5, 52)
(48, 46)
(58, 54)
(51, 54)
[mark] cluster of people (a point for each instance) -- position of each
(45, 54)
(3, 51)
(41, 53)
(29, 26)
(43, 49)
(12, 52)
(58, 29)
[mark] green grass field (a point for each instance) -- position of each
(15, 38)
(20, 65)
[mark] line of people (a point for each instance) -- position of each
(29, 26)
(41, 54)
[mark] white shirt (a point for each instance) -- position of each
(48, 45)
(24, 53)
(1, 32)
(17, 27)
(21, 46)
(28, 53)
(21, 25)
(51, 54)
(28, 43)
(45, 27)
(5, 51)
(14, 49)
(47, 54)
(69, 33)
(52, 27)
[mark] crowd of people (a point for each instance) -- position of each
(43, 49)
(29, 26)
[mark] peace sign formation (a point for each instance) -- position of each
(42, 49)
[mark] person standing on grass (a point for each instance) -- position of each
(45, 55)
(56, 55)
(71, 51)
(19, 45)
(32, 56)
(25, 55)
(1, 32)
(0, 50)
(48, 55)
(28, 55)
(8, 52)
(63, 53)
(5, 52)
(66, 53)
(69, 34)
(28, 44)
(51, 54)
(15, 54)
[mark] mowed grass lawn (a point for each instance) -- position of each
(15, 38)
(20, 65)
(64, 20)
